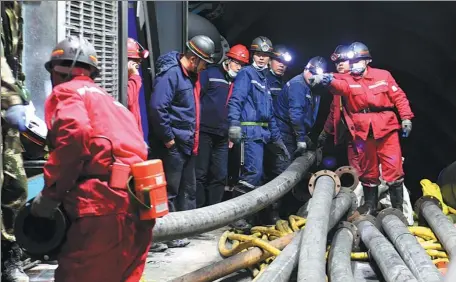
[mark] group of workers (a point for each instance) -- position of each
(197, 111)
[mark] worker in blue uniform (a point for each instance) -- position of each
(251, 119)
(216, 89)
(296, 109)
(280, 60)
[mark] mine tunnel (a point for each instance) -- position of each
(415, 41)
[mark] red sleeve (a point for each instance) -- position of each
(134, 85)
(398, 97)
(339, 87)
(69, 130)
(329, 124)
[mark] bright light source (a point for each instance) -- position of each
(319, 71)
(287, 57)
(350, 54)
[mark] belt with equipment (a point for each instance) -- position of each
(375, 110)
(254, 123)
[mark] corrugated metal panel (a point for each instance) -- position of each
(98, 22)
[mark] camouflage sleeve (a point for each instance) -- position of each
(9, 89)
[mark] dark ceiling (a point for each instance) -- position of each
(415, 41)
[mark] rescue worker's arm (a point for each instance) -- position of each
(272, 124)
(203, 80)
(159, 107)
(297, 102)
(11, 99)
(399, 99)
(69, 131)
(329, 123)
(339, 87)
(134, 85)
(236, 103)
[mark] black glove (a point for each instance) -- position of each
(322, 138)
(281, 150)
(43, 206)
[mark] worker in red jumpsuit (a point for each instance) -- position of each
(136, 53)
(335, 123)
(90, 133)
(371, 96)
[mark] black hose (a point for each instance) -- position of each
(188, 223)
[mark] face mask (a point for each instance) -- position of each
(357, 68)
(259, 68)
(232, 73)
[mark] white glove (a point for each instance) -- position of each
(406, 127)
(302, 145)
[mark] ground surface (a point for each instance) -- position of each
(172, 263)
(202, 251)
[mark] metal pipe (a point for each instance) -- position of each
(451, 274)
(429, 208)
(394, 223)
(339, 260)
(281, 268)
(312, 254)
(122, 47)
(235, 263)
(388, 260)
(188, 223)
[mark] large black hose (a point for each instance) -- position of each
(187, 223)
(340, 254)
(283, 265)
(393, 223)
(388, 260)
(429, 208)
(312, 253)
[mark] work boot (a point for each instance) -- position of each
(370, 203)
(11, 263)
(158, 247)
(396, 191)
(178, 243)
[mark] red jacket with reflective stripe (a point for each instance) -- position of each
(376, 90)
(78, 114)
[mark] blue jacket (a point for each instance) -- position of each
(215, 87)
(275, 86)
(296, 109)
(251, 101)
(172, 113)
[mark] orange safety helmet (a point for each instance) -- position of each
(239, 53)
(135, 50)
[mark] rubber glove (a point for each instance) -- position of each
(406, 127)
(322, 138)
(43, 206)
(15, 116)
(323, 79)
(235, 134)
(282, 150)
(301, 149)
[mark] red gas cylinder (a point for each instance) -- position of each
(150, 188)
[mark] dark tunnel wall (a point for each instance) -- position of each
(415, 41)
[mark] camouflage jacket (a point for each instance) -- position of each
(13, 91)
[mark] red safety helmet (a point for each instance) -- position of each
(239, 53)
(135, 50)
